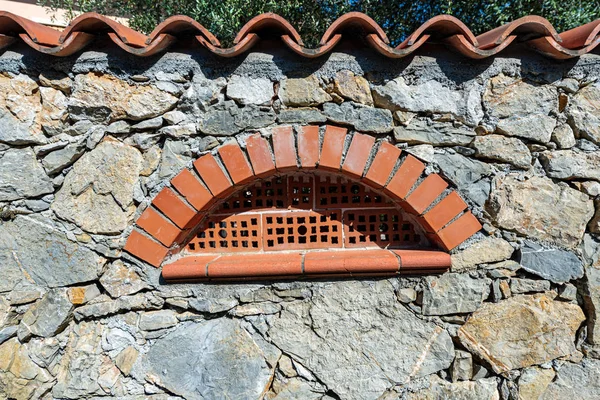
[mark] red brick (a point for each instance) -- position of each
(256, 265)
(458, 231)
(333, 146)
(158, 226)
(350, 261)
(426, 193)
(308, 146)
(236, 163)
(443, 212)
(284, 148)
(174, 208)
(358, 155)
(213, 176)
(145, 248)
(405, 177)
(194, 192)
(260, 155)
(382, 165)
(188, 268)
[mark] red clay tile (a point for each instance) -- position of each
(426, 193)
(194, 192)
(350, 261)
(284, 148)
(188, 268)
(256, 265)
(414, 261)
(158, 226)
(405, 178)
(260, 155)
(236, 163)
(382, 165)
(458, 231)
(309, 146)
(145, 248)
(358, 155)
(333, 147)
(443, 212)
(171, 205)
(213, 176)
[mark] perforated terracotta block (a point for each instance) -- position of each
(170, 204)
(405, 177)
(284, 148)
(443, 212)
(333, 147)
(145, 248)
(426, 261)
(350, 261)
(426, 193)
(188, 268)
(382, 165)
(213, 176)
(458, 231)
(188, 185)
(259, 152)
(308, 146)
(358, 155)
(256, 265)
(158, 226)
(235, 162)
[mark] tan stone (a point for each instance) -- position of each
(522, 331)
(505, 289)
(584, 111)
(136, 102)
(82, 294)
(56, 81)
(120, 280)
(152, 158)
(20, 377)
(352, 87)
(302, 92)
(533, 382)
(126, 359)
(486, 251)
(482, 389)
(97, 194)
(503, 149)
(539, 208)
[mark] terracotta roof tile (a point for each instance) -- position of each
(534, 31)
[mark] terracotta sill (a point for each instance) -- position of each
(298, 265)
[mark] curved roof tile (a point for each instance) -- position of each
(532, 30)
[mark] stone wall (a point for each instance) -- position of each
(86, 142)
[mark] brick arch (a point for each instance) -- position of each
(180, 207)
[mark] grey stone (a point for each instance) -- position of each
(302, 92)
(219, 123)
(568, 164)
(435, 133)
(339, 338)
(438, 389)
(488, 250)
(62, 262)
(407, 295)
(175, 156)
(583, 112)
(567, 292)
(470, 176)
(149, 124)
(539, 208)
(178, 131)
(575, 381)
(423, 152)
(174, 117)
(558, 266)
(217, 359)
(563, 136)
(262, 308)
(430, 96)
(155, 320)
(540, 330)
(212, 306)
(298, 389)
(453, 294)
(301, 115)
(118, 127)
(8, 332)
(569, 85)
(15, 132)
(47, 317)
(521, 286)
(503, 149)
(363, 118)
(61, 159)
(253, 117)
(462, 367)
(591, 300)
(21, 175)
(521, 108)
(80, 128)
(103, 306)
(97, 194)
(246, 90)
(121, 280)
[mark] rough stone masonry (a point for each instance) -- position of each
(87, 141)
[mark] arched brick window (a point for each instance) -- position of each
(319, 203)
